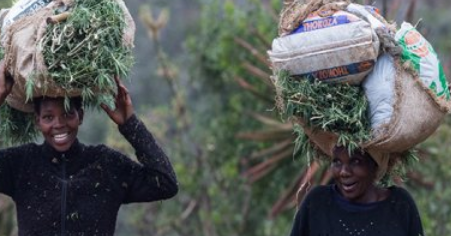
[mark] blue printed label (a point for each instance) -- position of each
(24, 8)
(340, 71)
(320, 23)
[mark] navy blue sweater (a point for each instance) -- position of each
(79, 192)
(324, 213)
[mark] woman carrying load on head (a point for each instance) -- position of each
(355, 204)
(63, 187)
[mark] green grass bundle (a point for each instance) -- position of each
(87, 49)
(77, 53)
(336, 108)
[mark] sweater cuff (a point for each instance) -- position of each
(136, 133)
(130, 126)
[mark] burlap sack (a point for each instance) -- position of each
(24, 58)
(415, 116)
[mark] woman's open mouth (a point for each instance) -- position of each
(349, 187)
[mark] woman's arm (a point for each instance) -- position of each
(301, 221)
(155, 179)
(415, 225)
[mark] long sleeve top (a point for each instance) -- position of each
(79, 191)
(325, 213)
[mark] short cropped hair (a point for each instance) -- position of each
(75, 102)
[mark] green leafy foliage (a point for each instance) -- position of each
(16, 126)
(83, 52)
(336, 108)
(87, 50)
(221, 60)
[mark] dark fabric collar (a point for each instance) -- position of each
(350, 206)
(50, 152)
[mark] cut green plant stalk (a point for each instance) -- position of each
(337, 108)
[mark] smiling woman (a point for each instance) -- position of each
(355, 205)
(355, 176)
(58, 126)
(63, 187)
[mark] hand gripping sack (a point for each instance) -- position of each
(23, 28)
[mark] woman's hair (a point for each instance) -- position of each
(75, 102)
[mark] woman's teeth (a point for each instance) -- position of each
(60, 137)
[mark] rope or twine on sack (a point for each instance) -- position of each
(297, 11)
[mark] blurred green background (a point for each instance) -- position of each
(200, 83)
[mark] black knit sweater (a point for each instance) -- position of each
(79, 192)
(325, 213)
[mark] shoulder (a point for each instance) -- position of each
(99, 149)
(21, 150)
(107, 154)
(400, 193)
(402, 199)
(321, 194)
(320, 190)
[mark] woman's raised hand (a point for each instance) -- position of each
(124, 107)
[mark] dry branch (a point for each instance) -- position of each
(244, 84)
(58, 18)
(268, 164)
(272, 122)
(270, 135)
(271, 150)
(260, 57)
(259, 73)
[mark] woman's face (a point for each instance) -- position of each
(58, 126)
(354, 175)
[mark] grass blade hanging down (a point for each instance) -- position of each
(18, 128)
(337, 108)
(87, 49)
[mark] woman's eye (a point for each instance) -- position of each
(336, 163)
(47, 118)
(356, 161)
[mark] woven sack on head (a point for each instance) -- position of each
(410, 116)
(332, 46)
(415, 116)
(420, 96)
(23, 54)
